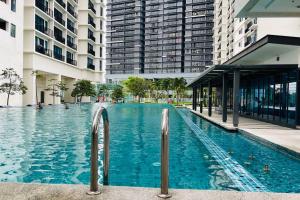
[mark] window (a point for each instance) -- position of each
(3, 24)
(13, 30)
(101, 38)
(13, 5)
(101, 51)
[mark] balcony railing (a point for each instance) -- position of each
(43, 50)
(91, 51)
(91, 66)
(59, 57)
(60, 38)
(92, 7)
(71, 45)
(72, 28)
(62, 3)
(44, 7)
(92, 37)
(60, 20)
(44, 30)
(71, 61)
(72, 11)
(91, 22)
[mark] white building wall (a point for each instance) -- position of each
(11, 49)
(278, 26)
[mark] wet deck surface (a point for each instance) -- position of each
(16, 191)
(285, 138)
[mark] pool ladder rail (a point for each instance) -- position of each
(102, 113)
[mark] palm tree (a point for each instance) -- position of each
(179, 86)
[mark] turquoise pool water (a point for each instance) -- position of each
(53, 146)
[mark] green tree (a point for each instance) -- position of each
(56, 88)
(117, 93)
(158, 89)
(83, 88)
(166, 85)
(179, 87)
(12, 83)
(103, 90)
(136, 86)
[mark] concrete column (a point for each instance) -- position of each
(50, 79)
(193, 100)
(224, 97)
(209, 99)
(236, 97)
(201, 98)
(29, 81)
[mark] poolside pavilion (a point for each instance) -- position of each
(262, 82)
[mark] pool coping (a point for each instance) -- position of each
(283, 149)
(23, 191)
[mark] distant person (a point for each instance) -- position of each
(39, 106)
(66, 106)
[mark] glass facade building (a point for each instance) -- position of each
(271, 98)
(159, 36)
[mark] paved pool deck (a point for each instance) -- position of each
(286, 139)
(18, 191)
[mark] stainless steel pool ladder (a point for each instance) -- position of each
(164, 170)
(94, 188)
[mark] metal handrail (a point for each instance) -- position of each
(101, 112)
(164, 170)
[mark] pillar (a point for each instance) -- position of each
(194, 97)
(29, 81)
(209, 99)
(201, 99)
(236, 97)
(224, 97)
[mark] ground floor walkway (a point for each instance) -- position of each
(13, 191)
(280, 137)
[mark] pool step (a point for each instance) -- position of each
(237, 173)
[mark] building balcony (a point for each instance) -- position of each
(71, 61)
(44, 30)
(90, 36)
(91, 22)
(60, 38)
(71, 10)
(62, 3)
(60, 20)
(91, 66)
(72, 28)
(44, 7)
(92, 7)
(43, 50)
(72, 45)
(91, 51)
(59, 57)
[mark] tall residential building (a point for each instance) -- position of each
(125, 36)
(59, 40)
(11, 42)
(158, 39)
(231, 35)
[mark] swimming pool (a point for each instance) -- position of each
(53, 146)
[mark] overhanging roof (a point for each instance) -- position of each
(267, 8)
(268, 47)
(215, 72)
(248, 60)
